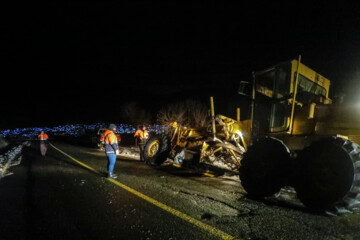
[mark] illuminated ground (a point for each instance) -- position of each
(54, 198)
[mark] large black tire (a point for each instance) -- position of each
(156, 156)
(264, 167)
(329, 174)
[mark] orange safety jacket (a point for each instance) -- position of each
(117, 136)
(141, 134)
(111, 142)
(43, 137)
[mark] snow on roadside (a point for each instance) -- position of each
(130, 152)
(11, 158)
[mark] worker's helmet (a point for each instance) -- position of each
(112, 126)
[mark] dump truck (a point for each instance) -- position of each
(295, 136)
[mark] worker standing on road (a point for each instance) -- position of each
(142, 134)
(111, 148)
(43, 137)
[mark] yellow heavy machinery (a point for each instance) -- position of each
(299, 138)
(296, 137)
(221, 144)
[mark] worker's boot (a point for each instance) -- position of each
(111, 175)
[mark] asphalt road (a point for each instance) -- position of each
(53, 197)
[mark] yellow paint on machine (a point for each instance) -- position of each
(164, 207)
(209, 175)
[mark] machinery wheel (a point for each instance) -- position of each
(264, 167)
(156, 150)
(330, 174)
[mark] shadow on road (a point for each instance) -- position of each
(295, 204)
(192, 170)
(29, 155)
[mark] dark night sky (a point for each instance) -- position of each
(79, 61)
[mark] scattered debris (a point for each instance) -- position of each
(82, 182)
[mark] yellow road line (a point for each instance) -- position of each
(75, 160)
(171, 210)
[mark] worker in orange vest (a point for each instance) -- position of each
(43, 137)
(111, 148)
(142, 135)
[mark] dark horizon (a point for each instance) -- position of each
(81, 61)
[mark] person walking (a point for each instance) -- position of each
(111, 149)
(43, 137)
(142, 134)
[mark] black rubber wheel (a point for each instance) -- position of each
(329, 174)
(157, 150)
(263, 169)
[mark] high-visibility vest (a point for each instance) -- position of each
(142, 134)
(111, 143)
(109, 137)
(118, 137)
(43, 136)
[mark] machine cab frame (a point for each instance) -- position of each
(280, 92)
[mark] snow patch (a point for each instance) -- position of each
(11, 158)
